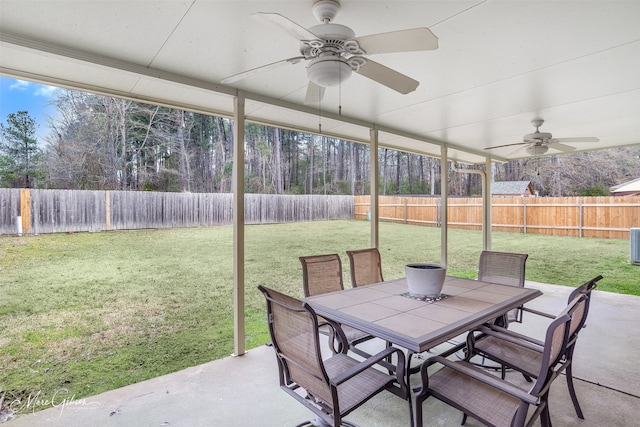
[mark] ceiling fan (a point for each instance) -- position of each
(538, 143)
(333, 52)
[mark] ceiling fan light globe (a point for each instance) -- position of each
(328, 71)
(537, 150)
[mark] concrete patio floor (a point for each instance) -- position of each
(243, 391)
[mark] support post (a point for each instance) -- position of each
(238, 227)
(444, 192)
(375, 190)
(487, 220)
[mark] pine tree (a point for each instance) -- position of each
(20, 155)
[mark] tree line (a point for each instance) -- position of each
(104, 143)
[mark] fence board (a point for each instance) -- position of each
(9, 210)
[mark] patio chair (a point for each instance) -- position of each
(331, 388)
(523, 353)
(504, 268)
(489, 399)
(366, 267)
(322, 274)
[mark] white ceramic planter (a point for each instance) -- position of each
(425, 280)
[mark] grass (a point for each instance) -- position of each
(87, 313)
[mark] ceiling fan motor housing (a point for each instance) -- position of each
(329, 68)
(537, 137)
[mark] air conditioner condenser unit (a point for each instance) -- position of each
(634, 237)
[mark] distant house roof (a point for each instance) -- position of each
(512, 188)
(629, 188)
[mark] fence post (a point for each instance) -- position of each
(25, 209)
(580, 219)
(405, 210)
(524, 219)
(107, 202)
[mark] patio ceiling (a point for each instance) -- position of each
(499, 65)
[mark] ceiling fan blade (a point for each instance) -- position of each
(245, 74)
(399, 41)
(506, 145)
(561, 147)
(388, 77)
(315, 93)
(518, 150)
(297, 31)
(578, 139)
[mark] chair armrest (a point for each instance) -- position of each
(513, 337)
(336, 334)
(369, 362)
(481, 376)
(539, 313)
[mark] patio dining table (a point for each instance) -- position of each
(386, 310)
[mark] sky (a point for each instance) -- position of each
(18, 95)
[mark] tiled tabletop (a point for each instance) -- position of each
(387, 312)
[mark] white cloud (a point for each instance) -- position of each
(38, 89)
(45, 91)
(20, 85)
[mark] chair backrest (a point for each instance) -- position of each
(321, 274)
(294, 333)
(555, 344)
(366, 267)
(585, 288)
(504, 268)
(580, 316)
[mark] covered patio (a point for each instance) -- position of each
(243, 391)
(499, 65)
(495, 67)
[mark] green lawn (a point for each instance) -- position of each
(92, 312)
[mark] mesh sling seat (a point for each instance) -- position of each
(331, 388)
(504, 268)
(523, 353)
(322, 274)
(492, 400)
(365, 266)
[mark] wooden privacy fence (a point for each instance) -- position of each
(53, 211)
(604, 217)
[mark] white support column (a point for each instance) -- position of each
(238, 227)
(486, 206)
(375, 188)
(444, 191)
